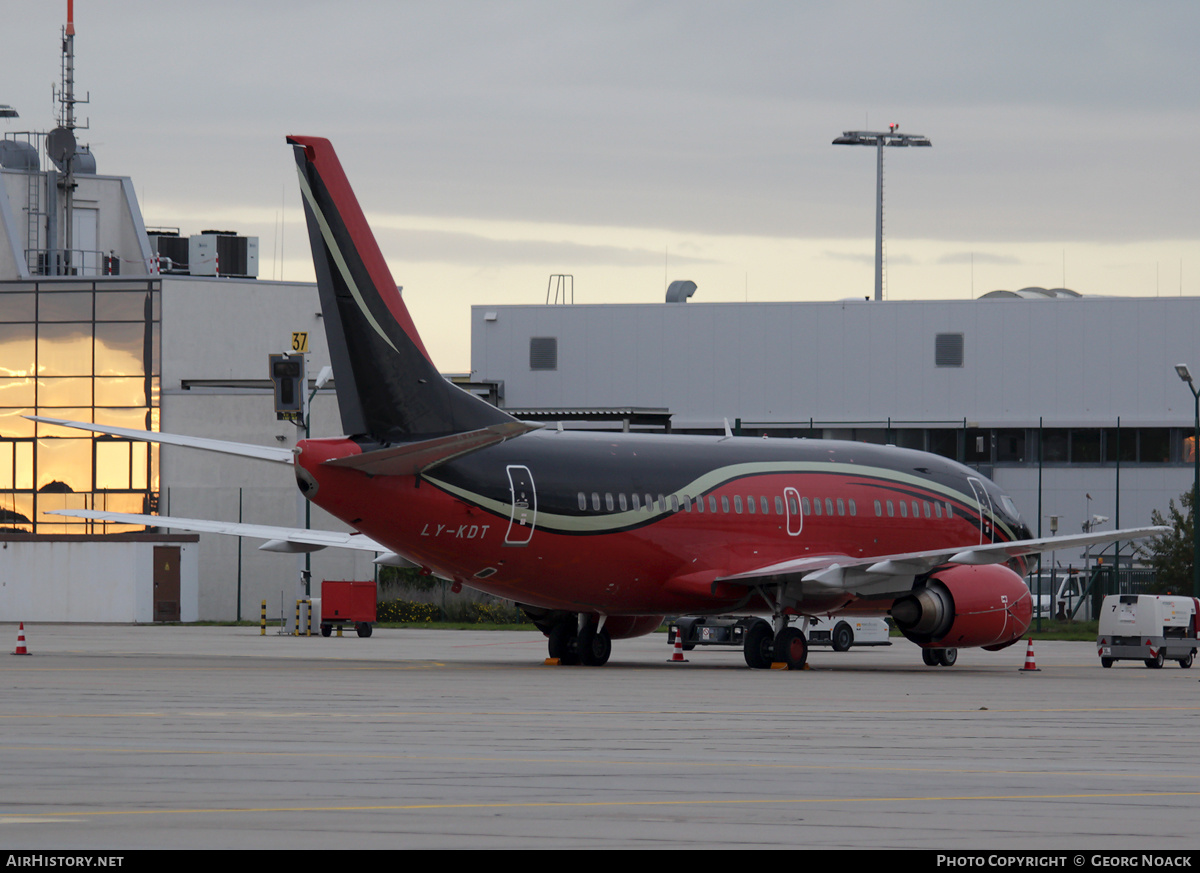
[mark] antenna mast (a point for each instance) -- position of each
(61, 143)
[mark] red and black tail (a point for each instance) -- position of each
(387, 387)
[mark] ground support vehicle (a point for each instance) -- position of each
(347, 603)
(842, 633)
(755, 635)
(1150, 628)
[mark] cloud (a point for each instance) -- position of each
(468, 249)
(979, 258)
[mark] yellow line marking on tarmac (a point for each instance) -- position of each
(553, 804)
(604, 763)
(443, 714)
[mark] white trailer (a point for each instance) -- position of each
(1150, 628)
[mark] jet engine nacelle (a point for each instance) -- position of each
(962, 606)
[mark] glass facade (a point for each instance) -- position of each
(85, 351)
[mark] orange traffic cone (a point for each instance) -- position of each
(1030, 666)
(21, 650)
(677, 656)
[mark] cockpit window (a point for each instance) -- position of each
(1010, 508)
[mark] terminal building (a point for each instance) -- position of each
(151, 331)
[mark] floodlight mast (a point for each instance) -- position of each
(879, 139)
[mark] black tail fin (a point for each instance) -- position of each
(388, 388)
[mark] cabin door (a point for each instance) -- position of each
(523, 500)
(795, 513)
(984, 502)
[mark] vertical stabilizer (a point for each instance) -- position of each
(387, 386)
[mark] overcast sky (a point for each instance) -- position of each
(632, 143)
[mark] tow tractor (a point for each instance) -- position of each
(729, 630)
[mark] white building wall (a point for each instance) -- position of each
(224, 329)
(1075, 362)
(56, 580)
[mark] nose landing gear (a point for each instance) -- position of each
(580, 642)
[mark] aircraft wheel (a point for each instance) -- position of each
(1106, 662)
(1187, 662)
(685, 630)
(1156, 662)
(759, 645)
(791, 647)
(929, 656)
(594, 647)
(946, 657)
(843, 637)
(326, 629)
(562, 643)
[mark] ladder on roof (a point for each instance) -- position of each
(33, 233)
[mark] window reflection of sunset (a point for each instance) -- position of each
(77, 351)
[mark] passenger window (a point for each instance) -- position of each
(937, 507)
(595, 501)
(621, 501)
(724, 503)
(816, 505)
(778, 505)
(829, 506)
(878, 509)
(891, 510)
(792, 505)
(674, 503)
(582, 501)
(637, 502)
(949, 511)
(700, 503)
(687, 503)
(808, 509)
(608, 501)
(925, 506)
(750, 504)
(737, 503)
(916, 510)
(712, 503)
(853, 508)
(903, 509)
(841, 507)
(766, 510)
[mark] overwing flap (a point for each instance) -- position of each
(878, 573)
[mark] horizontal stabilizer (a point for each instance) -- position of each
(408, 459)
(245, 450)
(276, 536)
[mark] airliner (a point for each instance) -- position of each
(598, 536)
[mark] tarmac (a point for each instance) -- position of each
(143, 737)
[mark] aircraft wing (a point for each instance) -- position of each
(245, 450)
(278, 539)
(880, 574)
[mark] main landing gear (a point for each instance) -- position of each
(589, 645)
(763, 647)
(939, 657)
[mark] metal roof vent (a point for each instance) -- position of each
(680, 290)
